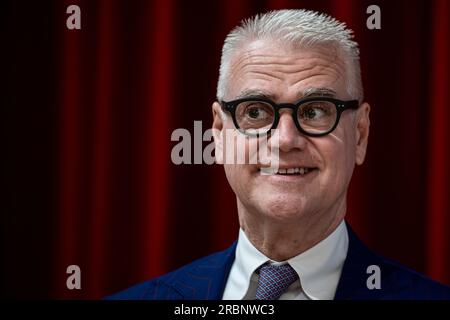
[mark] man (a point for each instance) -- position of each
(292, 77)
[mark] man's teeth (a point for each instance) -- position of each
(292, 171)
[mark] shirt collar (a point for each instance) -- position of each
(319, 268)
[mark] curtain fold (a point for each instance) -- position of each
(438, 182)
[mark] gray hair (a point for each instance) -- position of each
(299, 28)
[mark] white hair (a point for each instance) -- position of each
(298, 28)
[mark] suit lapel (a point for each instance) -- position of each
(206, 279)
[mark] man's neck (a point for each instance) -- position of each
(282, 240)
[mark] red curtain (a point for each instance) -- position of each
(88, 138)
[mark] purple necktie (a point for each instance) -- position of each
(274, 280)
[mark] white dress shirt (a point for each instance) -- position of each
(319, 269)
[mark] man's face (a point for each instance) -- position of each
(286, 75)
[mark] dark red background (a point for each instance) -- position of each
(87, 119)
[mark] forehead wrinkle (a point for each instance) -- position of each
(321, 66)
(256, 51)
(285, 60)
(255, 56)
(302, 74)
(287, 56)
(277, 67)
(289, 68)
(325, 71)
(265, 75)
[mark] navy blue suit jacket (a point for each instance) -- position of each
(206, 278)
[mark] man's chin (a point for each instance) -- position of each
(280, 212)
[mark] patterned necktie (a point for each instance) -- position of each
(274, 280)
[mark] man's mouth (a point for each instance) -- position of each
(301, 171)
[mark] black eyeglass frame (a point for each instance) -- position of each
(341, 106)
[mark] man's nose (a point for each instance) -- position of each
(289, 136)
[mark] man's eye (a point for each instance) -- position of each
(314, 112)
(255, 112)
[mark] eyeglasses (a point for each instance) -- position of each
(313, 116)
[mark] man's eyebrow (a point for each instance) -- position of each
(321, 92)
(256, 93)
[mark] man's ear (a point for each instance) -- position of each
(362, 132)
(217, 127)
